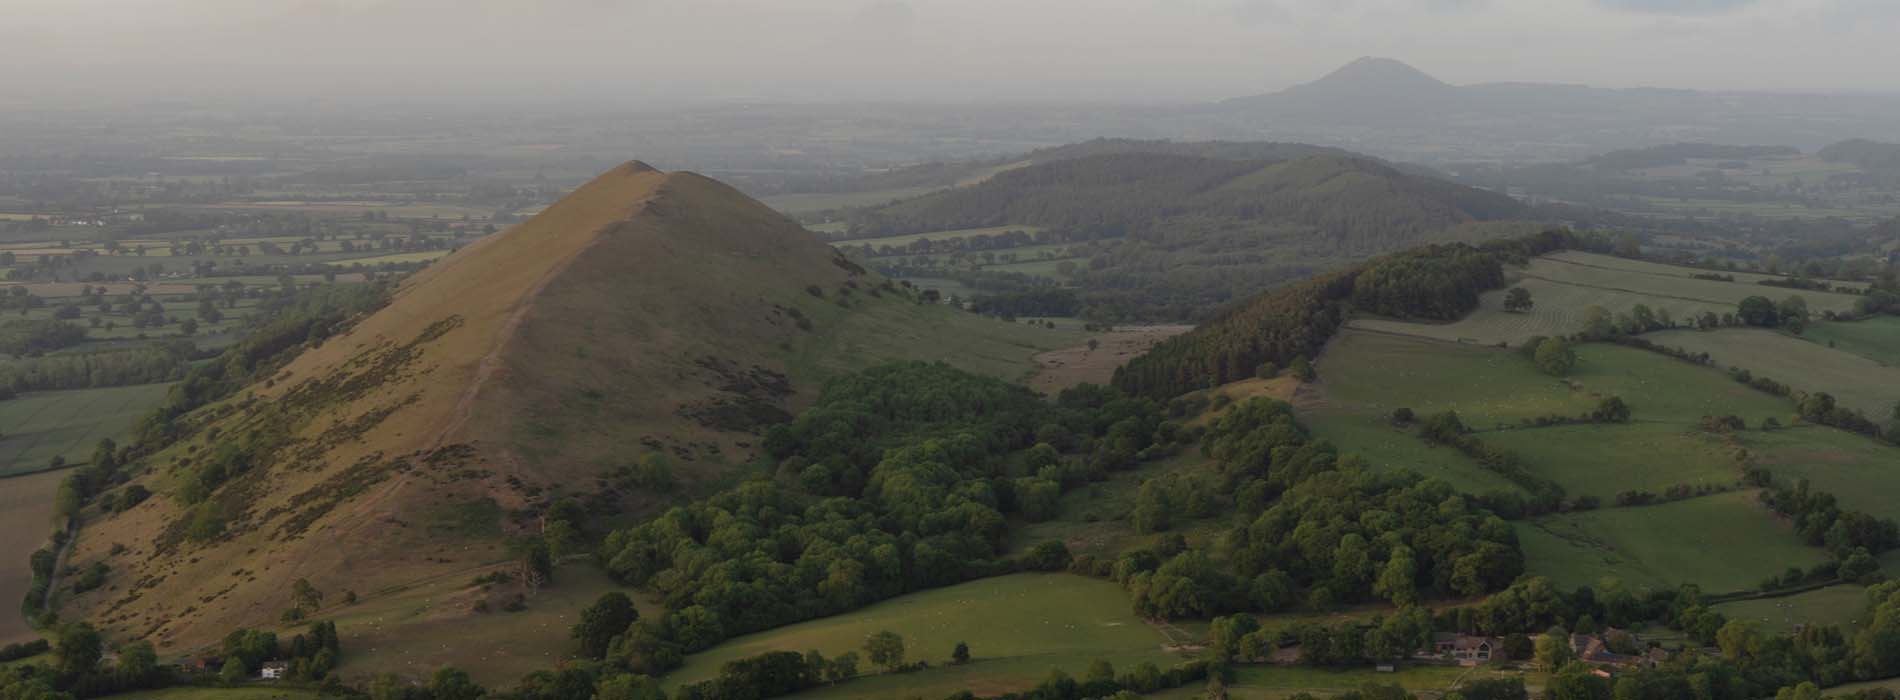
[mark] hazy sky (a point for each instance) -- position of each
(909, 49)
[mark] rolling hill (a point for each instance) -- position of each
(652, 318)
(1175, 234)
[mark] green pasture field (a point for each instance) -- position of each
(1563, 286)
(1855, 381)
(26, 520)
(1646, 267)
(890, 329)
(1876, 339)
(1602, 460)
(1373, 438)
(43, 425)
(1844, 606)
(812, 203)
(1766, 210)
(1018, 627)
(1857, 470)
(1256, 682)
(1373, 373)
(1724, 543)
(402, 632)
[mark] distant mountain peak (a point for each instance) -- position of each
(1373, 74)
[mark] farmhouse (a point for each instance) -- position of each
(1591, 648)
(274, 670)
(1467, 650)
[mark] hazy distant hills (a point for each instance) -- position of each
(1384, 106)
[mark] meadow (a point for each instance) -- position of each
(1663, 546)
(1844, 606)
(69, 424)
(1876, 339)
(1858, 471)
(907, 239)
(26, 519)
(1855, 381)
(1031, 623)
(1602, 460)
(887, 329)
(1564, 285)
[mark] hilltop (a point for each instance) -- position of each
(626, 347)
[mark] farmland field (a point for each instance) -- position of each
(1876, 339)
(1564, 285)
(1843, 606)
(1858, 471)
(1601, 460)
(1031, 624)
(26, 519)
(43, 425)
(419, 256)
(1855, 381)
(907, 239)
(1663, 546)
(258, 691)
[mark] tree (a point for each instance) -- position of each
(78, 649)
(1553, 649)
(1758, 311)
(1518, 300)
(1397, 581)
(1555, 358)
(885, 648)
(387, 686)
(1049, 555)
(305, 595)
(627, 686)
(233, 671)
(1611, 410)
(138, 664)
(1302, 369)
(608, 617)
(451, 683)
(961, 654)
(1794, 314)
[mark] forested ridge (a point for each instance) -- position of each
(1279, 326)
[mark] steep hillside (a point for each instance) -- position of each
(1174, 234)
(647, 313)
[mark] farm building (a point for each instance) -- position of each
(1467, 650)
(274, 670)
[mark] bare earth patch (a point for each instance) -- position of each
(1061, 369)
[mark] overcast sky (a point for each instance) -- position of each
(1161, 50)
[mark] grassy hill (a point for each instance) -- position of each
(647, 315)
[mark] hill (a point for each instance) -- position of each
(1173, 234)
(1387, 107)
(630, 342)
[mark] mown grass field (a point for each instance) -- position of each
(1018, 628)
(1565, 284)
(1876, 339)
(42, 425)
(26, 520)
(1844, 606)
(1723, 543)
(1855, 381)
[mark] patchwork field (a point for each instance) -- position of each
(1564, 285)
(1843, 606)
(42, 425)
(1031, 624)
(1876, 339)
(1855, 381)
(1663, 546)
(890, 331)
(26, 520)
